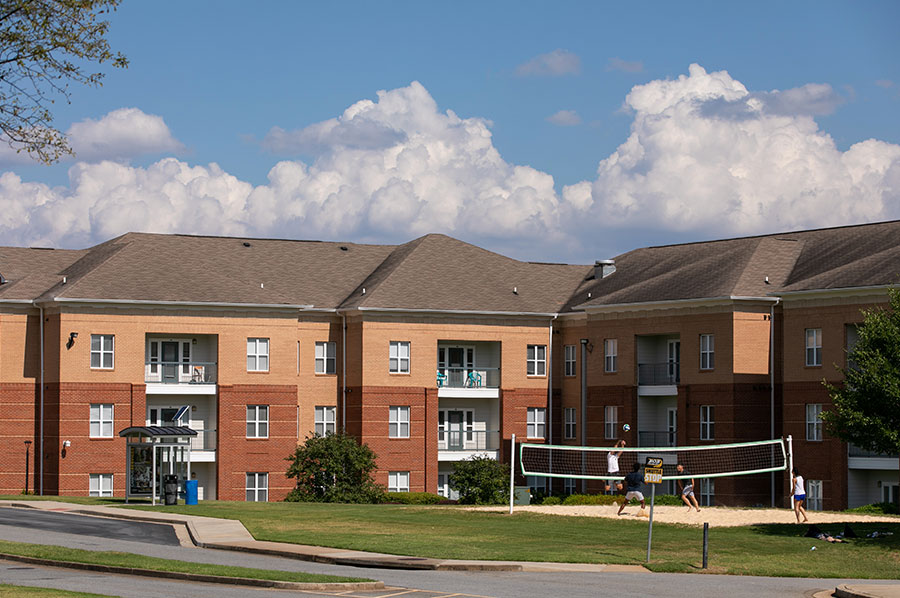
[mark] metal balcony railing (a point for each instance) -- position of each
(659, 374)
(475, 377)
(855, 451)
(181, 372)
(205, 440)
(468, 440)
(655, 438)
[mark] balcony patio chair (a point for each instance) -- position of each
(474, 380)
(441, 379)
(198, 374)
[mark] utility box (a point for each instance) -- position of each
(522, 495)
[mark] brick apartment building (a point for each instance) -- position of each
(430, 352)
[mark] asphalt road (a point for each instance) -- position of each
(81, 525)
(429, 583)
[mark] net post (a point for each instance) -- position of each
(512, 472)
(790, 473)
(650, 526)
(706, 542)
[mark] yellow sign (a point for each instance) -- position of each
(653, 475)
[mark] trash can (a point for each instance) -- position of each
(190, 492)
(170, 489)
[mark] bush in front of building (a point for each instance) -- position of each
(591, 499)
(481, 481)
(414, 498)
(878, 508)
(333, 468)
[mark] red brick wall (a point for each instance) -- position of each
(18, 408)
(238, 455)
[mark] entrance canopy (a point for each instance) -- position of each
(155, 452)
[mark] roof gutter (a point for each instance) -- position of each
(641, 304)
(836, 290)
(468, 312)
(182, 303)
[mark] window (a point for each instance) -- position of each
(852, 339)
(889, 492)
(707, 492)
(610, 355)
(101, 420)
(569, 430)
(610, 422)
(398, 426)
(257, 421)
(537, 484)
(813, 346)
(257, 487)
(536, 421)
(707, 352)
(257, 355)
(537, 360)
(707, 422)
(325, 362)
(101, 484)
(399, 357)
(102, 351)
(813, 422)
(398, 481)
(569, 485)
(569, 359)
(814, 495)
(325, 417)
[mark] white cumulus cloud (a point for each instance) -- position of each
(565, 118)
(120, 135)
(553, 64)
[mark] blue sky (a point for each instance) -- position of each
(577, 130)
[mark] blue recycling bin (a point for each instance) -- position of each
(190, 492)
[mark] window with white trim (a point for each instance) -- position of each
(569, 485)
(569, 360)
(257, 421)
(537, 360)
(101, 484)
(398, 481)
(610, 355)
(325, 419)
(325, 357)
(398, 422)
(610, 422)
(814, 495)
(707, 492)
(569, 428)
(257, 487)
(707, 422)
(103, 351)
(536, 484)
(398, 358)
(707, 352)
(536, 422)
(101, 420)
(813, 346)
(257, 355)
(813, 421)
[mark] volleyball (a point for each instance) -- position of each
(626, 427)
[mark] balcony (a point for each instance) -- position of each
(468, 378)
(659, 379)
(458, 445)
(468, 369)
(203, 446)
(180, 377)
(655, 438)
(858, 458)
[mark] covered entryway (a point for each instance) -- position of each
(153, 452)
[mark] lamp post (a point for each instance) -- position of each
(27, 459)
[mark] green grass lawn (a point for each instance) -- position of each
(122, 559)
(8, 591)
(453, 532)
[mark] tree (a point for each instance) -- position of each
(333, 468)
(44, 46)
(866, 406)
(481, 481)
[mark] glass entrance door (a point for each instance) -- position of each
(674, 361)
(170, 361)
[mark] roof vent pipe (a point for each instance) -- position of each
(603, 268)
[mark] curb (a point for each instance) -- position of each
(241, 581)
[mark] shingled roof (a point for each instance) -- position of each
(28, 272)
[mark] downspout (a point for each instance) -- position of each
(583, 409)
(41, 427)
(550, 383)
(343, 373)
(772, 388)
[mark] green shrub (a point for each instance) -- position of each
(413, 498)
(481, 481)
(669, 500)
(878, 508)
(591, 499)
(333, 468)
(552, 500)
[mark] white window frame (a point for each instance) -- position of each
(106, 348)
(536, 425)
(813, 347)
(569, 357)
(570, 427)
(813, 422)
(102, 419)
(569, 485)
(326, 420)
(257, 421)
(398, 481)
(814, 495)
(256, 486)
(398, 421)
(536, 360)
(707, 492)
(536, 484)
(611, 355)
(326, 361)
(707, 351)
(100, 484)
(257, 354)
(610, 422)
(398, 357)
(707, 422)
